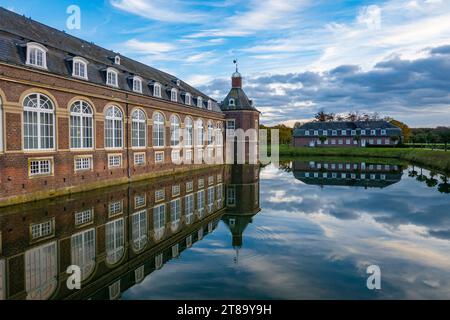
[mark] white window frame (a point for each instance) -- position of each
(189, 132)
(200, 133)
(188, 99)
(159, 157)
(199, 102)
(82, 248)
(159, 221)
(138, 129)
(174, 95)
(36, 111)
(157, 90)
(113, 126)
(112, 161)
(37, 167)
(383, 132)
(82, 68)
(137, 84)
(139, 230)
(160, 195)
(36, 48)
(43, 230)
(210, 105)
(81, 113)
(115, 241)
(41, 271)
(109, 77)
(140, 159)
(84, 217)
(175, 129)
(231, 102)
(83, 163)
(117, 60)
(159, 130)
(115, 208)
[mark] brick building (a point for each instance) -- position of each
(74, 116)
(347, 134)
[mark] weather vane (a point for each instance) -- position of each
(235, 61)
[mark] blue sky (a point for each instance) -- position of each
(297, 56)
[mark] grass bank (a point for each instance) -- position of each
(432, 159)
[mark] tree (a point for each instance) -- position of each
(406, 131)
(322, 139)
(357, 138)
(322, 116)
(395, 140)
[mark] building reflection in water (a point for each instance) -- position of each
(118, 236)
(347, 173)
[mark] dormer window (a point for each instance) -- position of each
(137, 84)
(174, 95)
(209, 105)
(112, 77)
(232, 102)
(200, 102)
(117, 60)
(188, 99)
(36, 55)
(157, 90)
(80, 68)
(178, 83)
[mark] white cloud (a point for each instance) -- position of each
(148, 47)
(371, 17)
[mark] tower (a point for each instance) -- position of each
(240, 113)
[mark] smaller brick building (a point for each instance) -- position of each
(347, 134)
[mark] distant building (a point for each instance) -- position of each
(346, 134)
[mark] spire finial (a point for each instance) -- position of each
(235, 61)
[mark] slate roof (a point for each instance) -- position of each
(357, 125)
(242, 102)
(16, 31)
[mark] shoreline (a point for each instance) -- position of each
(437, 160)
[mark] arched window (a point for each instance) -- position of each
(174, 131)
(189, 132)
(231, 102)
(137, 84)
(81, 126)
(187, 99)
(80, 68)
(83, 252)
(210, 104)
(112, 77)
(210, 132)
(158, 130)
(114, 128)
(36, 55)
(139, 230)
(200, 102)
(117, 60)
(115, 235)
(138, 129)
(38, 122)
(1, 125)
(41, 270)
(159, 221)
(174, 95)
(157, 90)
(219, 134)
(200, 133)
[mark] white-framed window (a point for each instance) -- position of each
(160, 195)
(159, 260)
(200, 133)
(114, 290)
(383, 132)
(307, 133)
(174, 131)
(210, 133)
(189, 241)
(174, 95)
(115, 208)
(219, 178)
(200, 234)
(379, 141)
(138, 129)
(348, 141)
(189, 206)
(140, 201)
(334, 133)
(201, 183)
(139, 159)
(231, 102)
(159, 157)
(139, 230)
(113, 128)
(373, 132)
(175, 214)
(137, 84)
(81, 126)
(176, 190)
(231, 127)
(42, 230)
(83, 252)
(219, 135)
(175, 156)
(115, 239)
(159, 221)
(139, 274)
(325, 133)
(112, 77)
(84, 217)
(189, 132)
(353, 132)
(188, 99)
(211, 180)
(175, 251)
(219, 190)
(199, 102)
(38, 122)
(83, 163)
(189, 186)
(36, 55)
(210, 104)
(114, 161)
(231, 196)
(201, 203)
(188, 156)
(117, 60)
(41, 270)
(158, 130)
(40, 167)
(211, 199)
(80, 68)
(363, 132)
(344, 132)
(316, 132)
(157, 90)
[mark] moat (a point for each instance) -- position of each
(306, 229)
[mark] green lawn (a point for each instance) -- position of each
(437, 159)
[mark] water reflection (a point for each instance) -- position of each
(117, 236)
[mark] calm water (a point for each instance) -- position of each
(303, 230)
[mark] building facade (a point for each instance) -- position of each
(74, 116)
(347, 134)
